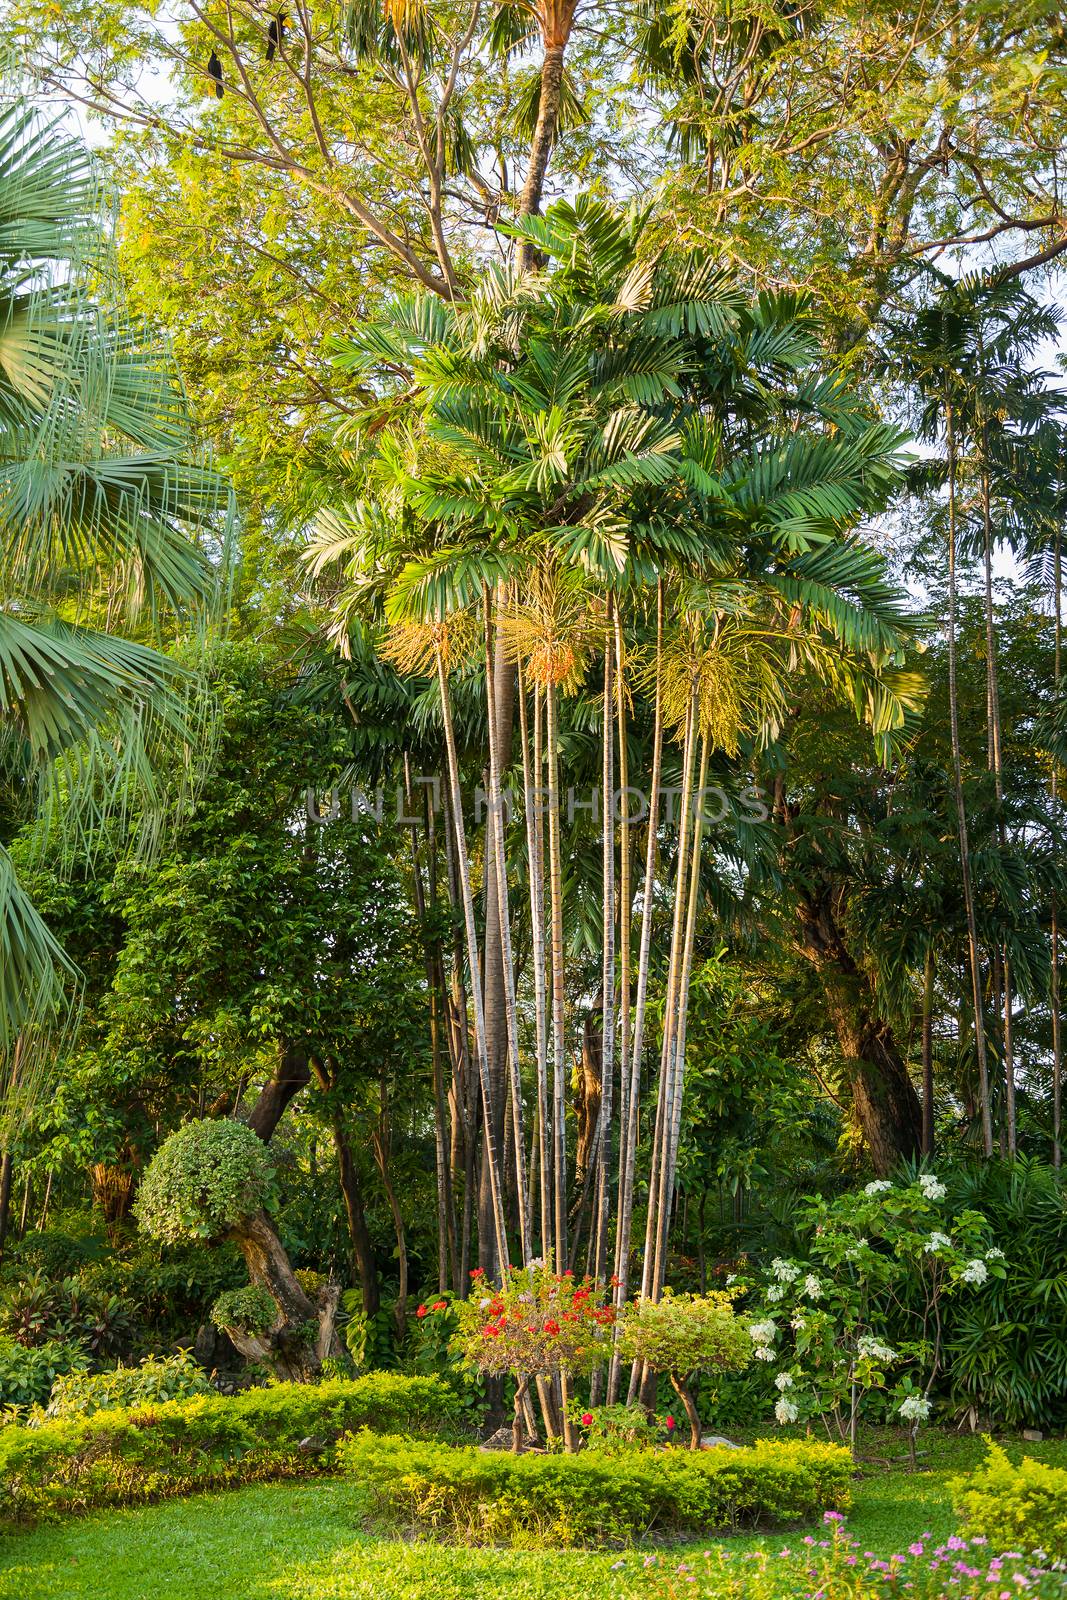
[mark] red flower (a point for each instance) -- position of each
(421, 1312)
(568, 1274)
(477, 1272)
(491, 1332)
(587, 1419)
(670, 1422)
(440, 1305)
(552, 1327)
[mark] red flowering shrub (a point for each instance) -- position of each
(538, 1324)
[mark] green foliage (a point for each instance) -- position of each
(685, 1333)
(251, 1309)
(203, 1180)
(80, 1394)
(1020, 1507)
(592, 1498)
(154, 1450)
(619, 1429)
(27, 1374)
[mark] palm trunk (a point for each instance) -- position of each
(531, 781)
(928, 1053)
(973, 953)
(660, 1193)
(559, 1064)
(500, 872)
(678, 1071)
(1054, 987)
(607, 1032)
(628, 1150)
(491, 1155)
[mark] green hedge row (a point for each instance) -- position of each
(1015, 1508)
(492, 1497)
(122, 1456)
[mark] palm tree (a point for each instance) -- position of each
(98, 486)
(622, 424)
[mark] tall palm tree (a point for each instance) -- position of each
(98, 487)
(622, 424)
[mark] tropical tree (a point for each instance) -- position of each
(539, 462)
(99, 490)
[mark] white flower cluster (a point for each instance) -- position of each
(786, 1411)
(775, 1292)
(879, 1186)
(873, 1348)
(931, 1186)
(914, 1408)
(785, 1271)
(996, 1254)
(812, 1287)
(762, 1335)
(856, 1248)
(783, 1381)
(975, 1271)
(936, 1242)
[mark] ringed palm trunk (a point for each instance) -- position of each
(559, 1063)
(973, 953)
(607, 1034)
(628, 1150)
(1054, 988)
(531, 780)
(463, 874)
(500, 873)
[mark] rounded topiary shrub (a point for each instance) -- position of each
(252, 1310)
(203, 1181)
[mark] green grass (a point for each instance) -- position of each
(303, 1542)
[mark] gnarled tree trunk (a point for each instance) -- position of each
(304, 1333)
(887, 1107)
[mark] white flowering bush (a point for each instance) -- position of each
(822, 1320)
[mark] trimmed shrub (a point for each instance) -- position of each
(490, 1497)
(157, 1379)
(1020, 1507)
(252, 1309)
(202, 1180)
(152, 1452)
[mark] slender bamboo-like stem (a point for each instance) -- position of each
(531, 782)
(659, 1198)
(961, 812)
(678, 1068)
(607, 1042)
(628, 1151)
(463, 874)
(928, 1052)
(496, 829)
(559, 1064)
(1054, 987)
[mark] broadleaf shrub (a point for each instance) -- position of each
(252, 1309)
(1020, 1507)
(27, 1374)
(152, 1452)
(206, 1177)
(156, 1379)
(482, 1497)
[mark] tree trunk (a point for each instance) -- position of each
(887, 1107)
(685, 1395)
(973, 954)
(304, 1333)
(928, 1053)
(362, 1250)
(291, 1074)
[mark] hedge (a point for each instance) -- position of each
(1014, 1508)
(490, 1497)
(128, 1455)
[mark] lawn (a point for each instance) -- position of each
(303, 1542)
